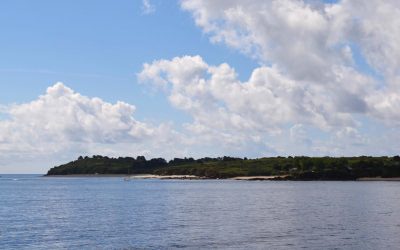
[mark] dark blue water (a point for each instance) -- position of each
(40, 213)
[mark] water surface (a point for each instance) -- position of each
(37, 212)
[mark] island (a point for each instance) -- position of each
(300, 168)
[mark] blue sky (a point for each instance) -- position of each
(196, 78)
(97, 47)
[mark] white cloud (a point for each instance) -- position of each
(314, 79)
(247, 117)
(310, 41)
(63, 115)
(147, 7)
(62, 124)
(265, 103)
(296, 35)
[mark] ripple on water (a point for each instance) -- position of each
(110, 213)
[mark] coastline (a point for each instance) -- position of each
(164, 177)
(154, 176)
(136, 176)
(194, 177)
(86, 175)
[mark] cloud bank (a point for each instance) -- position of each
(315, 44)
(327, 82)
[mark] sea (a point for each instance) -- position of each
(110, 213)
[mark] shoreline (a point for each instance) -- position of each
(153, 176)
(86, 175)
(194, 177)
(135, 176)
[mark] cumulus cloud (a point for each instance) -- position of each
(265, 103)
(297, 35)
(312, 41)
(309, 77)
(64, 115)
(247, 118)
(62, 122)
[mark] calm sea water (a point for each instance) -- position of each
(53, 213)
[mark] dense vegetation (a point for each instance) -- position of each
(104, 165)
(295, 168)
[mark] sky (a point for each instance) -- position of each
(196, 78)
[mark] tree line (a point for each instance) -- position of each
(295, 168)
